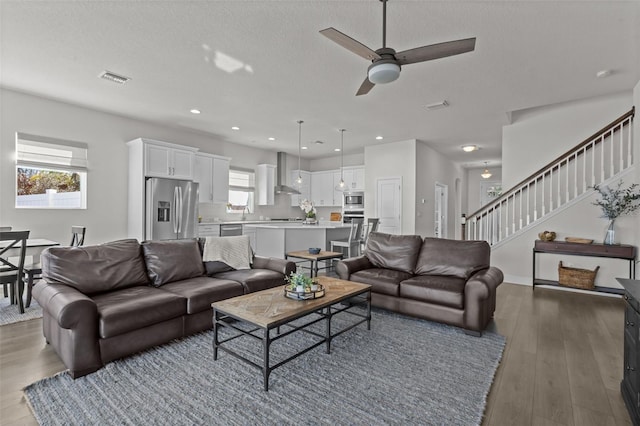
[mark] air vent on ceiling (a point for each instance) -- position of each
(438, 105)
(108, 75)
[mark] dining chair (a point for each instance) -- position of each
(34, 270)
(12, 274)
(353, 242)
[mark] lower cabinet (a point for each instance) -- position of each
(630, 386)
(208, 230)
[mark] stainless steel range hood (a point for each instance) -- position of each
(281, 179)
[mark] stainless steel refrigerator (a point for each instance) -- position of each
(172, 209)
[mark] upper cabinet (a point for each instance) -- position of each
(212, 173)
(354, 178)
(322, 189)
(304, 187)
(166, 160)
(265, 184)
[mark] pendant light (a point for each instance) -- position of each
(299, 180)
(486, 174)
(341, 187)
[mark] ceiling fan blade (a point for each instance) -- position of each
(365, 87)
(350, 44)
(436, 51)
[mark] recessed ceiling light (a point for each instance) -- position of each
(336, 149)
(235, 128)
(319, 142)
(379, 138)
(603, 73)
(469, 148)
(272, 139)
(304, 147)
(194, 111)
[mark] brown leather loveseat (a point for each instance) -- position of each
(107, 301)
(436, 279)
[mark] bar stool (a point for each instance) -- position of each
(353, 242)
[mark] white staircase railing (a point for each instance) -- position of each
(598, 158)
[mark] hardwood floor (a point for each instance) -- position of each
(562, 364)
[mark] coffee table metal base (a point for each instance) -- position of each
(222, 319)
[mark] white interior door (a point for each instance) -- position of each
(389, 205)
(440, 214)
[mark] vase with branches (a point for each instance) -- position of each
(616, 202)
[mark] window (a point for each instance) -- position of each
(50, 173)
(241, 189)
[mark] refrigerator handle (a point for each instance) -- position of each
(174, 219)
(180, 207)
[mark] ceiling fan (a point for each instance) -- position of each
(386, 63)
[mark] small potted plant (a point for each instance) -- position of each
(299, 282)
(309, 211)
(615, 203)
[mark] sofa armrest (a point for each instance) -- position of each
(284, 266)
(346, 267)
(70, 325)
(66, 305)
(480, 297)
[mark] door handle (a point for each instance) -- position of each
(180, 208)
(174, 218)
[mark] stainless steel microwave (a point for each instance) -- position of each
(353, 200)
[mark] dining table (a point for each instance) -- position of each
(34, 248)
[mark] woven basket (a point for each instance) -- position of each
(576, 277)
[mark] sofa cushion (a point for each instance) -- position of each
(96, 269)
(254, 279)
(132, 308)
(214, 267)
(397, 252)
(436, 289)
(172, 260)
(383, 281)
(452, 257)
(201, 292)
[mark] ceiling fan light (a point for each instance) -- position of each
(382, 73)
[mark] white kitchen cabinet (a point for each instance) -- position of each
(168, 160)
(354, 178)
(212, 173)
(322, 188)
(208, 230)
(304, 187)
(265, 184)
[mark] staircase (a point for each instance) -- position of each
(564, 181)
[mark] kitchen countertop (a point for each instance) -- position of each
(247, 222)
(299, 225)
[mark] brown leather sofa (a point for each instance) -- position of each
(436, 279)
(107, 301)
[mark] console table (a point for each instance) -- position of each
(619, 251)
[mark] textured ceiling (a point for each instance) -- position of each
(262, 65)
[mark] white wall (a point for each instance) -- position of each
(395, 159)
(539, 135)
(434, 167)
(105, 134)
(636, 149)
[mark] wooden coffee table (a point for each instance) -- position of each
(268, 309)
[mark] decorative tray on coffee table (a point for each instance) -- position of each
(304, 295)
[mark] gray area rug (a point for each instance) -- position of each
(404, 371)
(10, 314)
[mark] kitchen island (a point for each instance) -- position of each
(276, 239)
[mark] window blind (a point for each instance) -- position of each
(45, 152)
